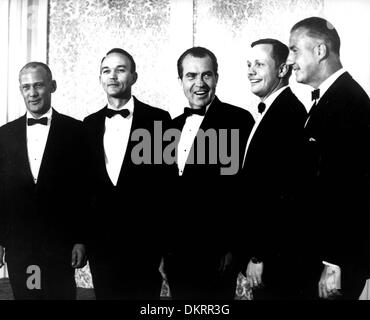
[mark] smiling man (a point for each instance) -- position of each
(271, 172)
(124, 245)
(337, 140)
(198, 266)
(42, 193)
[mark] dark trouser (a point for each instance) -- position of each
(282, 279)
(35, 278)
(197, 277)
(131, 277)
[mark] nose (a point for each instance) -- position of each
(113, 74)
(251, 70)
(199, 81)
(33, 92)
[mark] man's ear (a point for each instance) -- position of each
(180, 81)
(134, 77)
(322, 51)
(283, 70)
(53, 86)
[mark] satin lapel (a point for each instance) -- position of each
(137, 119)
(98, 138)
(212, 114)
(330, 94)
(54, 131)
(21, 150)
(138, 122)
(273, 111)
(209, 121)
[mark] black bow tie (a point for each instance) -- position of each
(315, 94)
(189, 111)
(124, 113)
(32, 121)
(261, 107)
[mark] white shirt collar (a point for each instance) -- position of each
(48, 115)
(271, 98)
(129, 105)
(329, 81)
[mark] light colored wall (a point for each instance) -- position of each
(352, 20)
(156, 32)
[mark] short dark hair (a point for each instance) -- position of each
(125, 53)
(320, 28)
(280, 52)
(37, 64)
(197, 52)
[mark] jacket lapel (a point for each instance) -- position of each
(325, 108)
(98, 149)
(208, 122)
(138, 121)
(21, 150)
(99, 139)
(49, 146)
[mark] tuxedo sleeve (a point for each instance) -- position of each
(3, 210)
(80, 189)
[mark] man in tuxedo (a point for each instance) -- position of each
(270, 174)
(42, 193)
(198, 264)
(127, 190)
(337, 141)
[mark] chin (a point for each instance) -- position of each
(299, 78)
(256, 92)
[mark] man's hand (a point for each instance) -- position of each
(2, 251)
(254, 274)
(79, 256)
(327, 286)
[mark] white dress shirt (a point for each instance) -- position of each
(268, 102)
(116, 137)
(37, 136)
(188, 134)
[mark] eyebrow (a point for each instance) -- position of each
(256, 60)
(119, 66)
(202, 74)
(32, 83)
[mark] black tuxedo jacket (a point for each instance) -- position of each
(125, 216)
(338, 160)
(204, 195)
(43, 218)
(271, 177)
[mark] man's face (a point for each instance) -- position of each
(303, 58)
(116, 76)
(36, 89)
(199, 81)
(263, 73)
